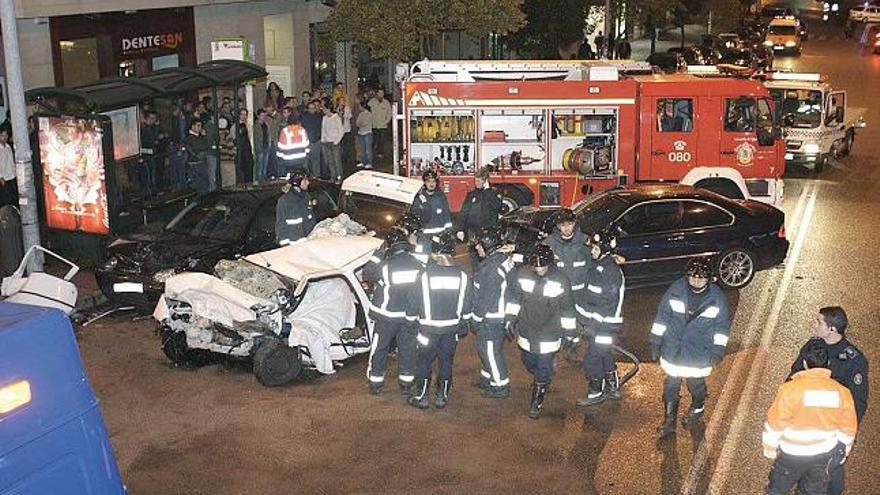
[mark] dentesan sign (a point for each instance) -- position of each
(151, 43)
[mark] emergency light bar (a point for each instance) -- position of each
(795, 76)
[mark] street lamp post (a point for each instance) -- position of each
(27, 196)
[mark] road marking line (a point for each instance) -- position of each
(741, 364)
(719, 477)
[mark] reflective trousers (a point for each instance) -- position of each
(598, 359)
(809, 473)
(385, 331)
(540, 366)
(490, 342)
(435, 347)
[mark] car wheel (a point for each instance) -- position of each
(176, 349)
(508, 205)
(735, 269)
(276, 363)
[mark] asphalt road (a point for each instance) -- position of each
(217, 431)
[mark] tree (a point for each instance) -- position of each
(551, 24)
(406, 29)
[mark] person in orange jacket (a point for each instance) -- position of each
(810, 428)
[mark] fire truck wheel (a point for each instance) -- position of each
(276, 363)
(736, 268)
(176, 349)
(513, 197)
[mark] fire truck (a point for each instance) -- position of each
(553, 132)
(817, 122)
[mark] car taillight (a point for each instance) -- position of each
(781, 233)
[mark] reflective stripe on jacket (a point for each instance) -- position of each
(293, 143)
(809, 416)
(542, 307)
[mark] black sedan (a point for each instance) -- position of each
(742, 57)
(660, 227)
(668, 62)
(220, 225)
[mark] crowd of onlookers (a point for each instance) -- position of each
(188, 145)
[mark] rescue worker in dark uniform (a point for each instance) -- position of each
(603, 306)
(394, 276)
(421, 242)
(441, 306)
(490, 285)
(481, 209)
(573, 258)
(689, 336)
(539, 309)
(294, 219)
(430, 205)
(848, 365)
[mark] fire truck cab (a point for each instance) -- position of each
(817, 122)
(553, 132)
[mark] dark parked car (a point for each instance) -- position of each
(773, 11)
(667, 62)
(710, 55)
(659, 227)
(693, 55)
(741, 57)
(220, 225)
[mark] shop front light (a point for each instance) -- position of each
(14, 395)
(811, 148)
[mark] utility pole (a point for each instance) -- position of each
(608, 26)
(27, 195)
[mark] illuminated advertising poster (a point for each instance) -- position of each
(74, 185)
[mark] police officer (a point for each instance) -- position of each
(689, 336)
(441, 305)
(430, 205)
(540, 308)
(395, 276)
(573, 258)
(490, 285)
(481, 209)
(810, 427)
(848, 364)
(603, 306)
(294, 219)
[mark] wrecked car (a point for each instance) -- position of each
(295, 307)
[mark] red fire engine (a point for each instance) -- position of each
(553, 132)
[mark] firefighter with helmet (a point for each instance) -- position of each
(540, 309)
(573, 258)
(689, 337)
(294, 219)
(412, 226)
(394, 275)
(603, 307)
(430, 205)
(490, 285)
(441, 306)
(293, 147)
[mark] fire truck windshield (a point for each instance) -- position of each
(598, 211)
(800, 108)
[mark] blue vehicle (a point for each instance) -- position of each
(659, 227)
(52, 434)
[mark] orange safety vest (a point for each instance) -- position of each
(809, 416)
(293, 143)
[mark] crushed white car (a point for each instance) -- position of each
(39, 288)
(298, 306)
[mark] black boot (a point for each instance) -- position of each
(405, 387)
(538, 391)
(441, 395)
(376, 387)
(668, 427)
(501, 392)
(419, 397)
(693, 415)
(481, 382)
(595, 394)
(612, 386)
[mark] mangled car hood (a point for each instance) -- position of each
(315, 257)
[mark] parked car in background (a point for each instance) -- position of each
(865, 13)
(661, 226)
(741, 57)
(711, 55)
(667, 62)
(773, 11)
(692, 55)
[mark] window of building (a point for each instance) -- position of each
(79, 61)
(675, 114)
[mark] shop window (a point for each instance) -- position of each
(79, 61)
(675, 114)
(739, 115)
